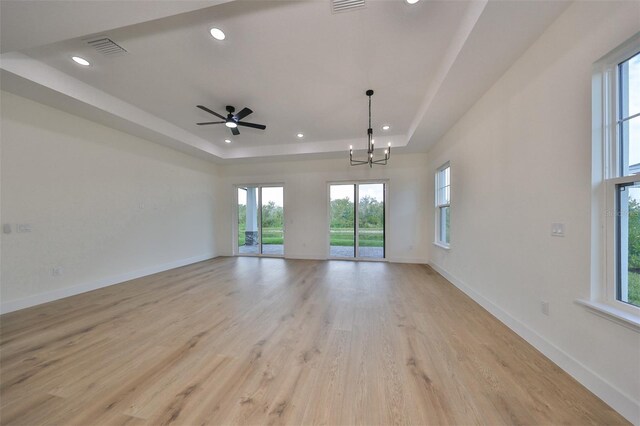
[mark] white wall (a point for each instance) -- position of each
(102, 205)
(521, 160)
(306, 202)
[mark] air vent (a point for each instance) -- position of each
(106, 46)
(346, 5)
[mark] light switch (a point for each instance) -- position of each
(6, 228)
(557, 229)
(23, 227)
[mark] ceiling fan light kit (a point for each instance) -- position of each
(370, 145)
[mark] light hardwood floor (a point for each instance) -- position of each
(270, 341)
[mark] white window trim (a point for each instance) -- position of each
(605, 166)
(442, 245)
(437, 241)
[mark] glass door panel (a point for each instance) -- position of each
(342, 232)
(272, 220)
(371, 220)
(248, 232)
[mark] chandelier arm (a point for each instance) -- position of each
(358, 163)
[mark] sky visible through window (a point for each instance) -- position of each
(268, 194)
(634, 108)
(339, 192)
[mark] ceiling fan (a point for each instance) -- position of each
(232, 121)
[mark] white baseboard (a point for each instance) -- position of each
(61, 293)
(622, 403)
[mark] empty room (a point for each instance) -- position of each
(319, 212)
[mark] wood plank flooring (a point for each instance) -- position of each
(273, 341)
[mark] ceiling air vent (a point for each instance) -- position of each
(346, 5)
(106, 46)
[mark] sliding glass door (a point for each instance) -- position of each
(357, 220)
(371, 220)
(342, 226)
(260, 220)
(272, 223)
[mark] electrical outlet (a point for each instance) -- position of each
(544, 307)
(557, 229)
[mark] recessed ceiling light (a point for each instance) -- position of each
(217, 33)
(412, 1)
(300, 135)
(80, 61)
(386, 127)
(227, 141)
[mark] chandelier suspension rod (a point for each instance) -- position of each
(370, 145)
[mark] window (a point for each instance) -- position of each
(616, 183)
(627, 190)
(443, 206)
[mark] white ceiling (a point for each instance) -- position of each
(297, 65)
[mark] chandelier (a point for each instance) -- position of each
(370, 145)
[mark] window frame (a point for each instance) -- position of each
(607, 171)
(439, 206)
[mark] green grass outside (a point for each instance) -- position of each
(370, 237)
(339, 237)
(269, 236)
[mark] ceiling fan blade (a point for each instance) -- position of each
(255, 126)
(242, 114)
(204, 108)
(235, 131)
(210, 122)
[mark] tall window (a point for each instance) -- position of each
(616, 183)
(627, 183)
(443, 206)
